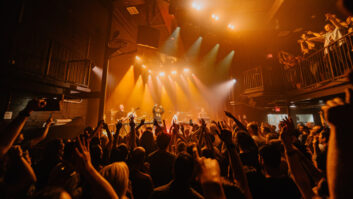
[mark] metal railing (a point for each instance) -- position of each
(325, 65)
(50, 59)
(253, 79)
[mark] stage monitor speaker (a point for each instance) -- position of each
(148, 36)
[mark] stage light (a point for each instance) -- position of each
(138, 58)
(234, 81)
(186, 70)
(196, 5)
(161, 74)
(174, 72)
(143, 66)
(231, 26)
(215, 17)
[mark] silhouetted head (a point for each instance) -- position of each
(138, 156)
(183, 168)
(163, 140)
(270, 156)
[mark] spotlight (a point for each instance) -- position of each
(186, 70)
(161, 74)
(215, 17)
(231, 26)
(174, 72)
(138, 58)
(196, 5)
(143, 66)
(234, 81)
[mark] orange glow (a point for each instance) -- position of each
(165, 100)
(122, 92)
(135, 96)
(147, 102)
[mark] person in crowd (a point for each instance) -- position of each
(179, 187)
(161, 161)
(117, 174)
(298, 162)
(277, 184)
(141, 182)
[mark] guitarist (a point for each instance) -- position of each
(120, 115)
(158, 112)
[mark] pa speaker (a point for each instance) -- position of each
(148, 36)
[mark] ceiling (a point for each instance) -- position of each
(262, 27)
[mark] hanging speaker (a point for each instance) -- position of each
(148, 36)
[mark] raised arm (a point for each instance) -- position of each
(9, 134)
(100, 187)
(44, 134)
(338, 114)
(301, 179)
(132, 140)
(235, 162)
(239, 124)
(210, 177)
(334, 20)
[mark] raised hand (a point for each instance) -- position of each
(83, 160)
(142, 122)
(105, 126)
(287, 129)
(339, 113)
(49, 121)
(118, 125)
(132, 122)
(228, 114)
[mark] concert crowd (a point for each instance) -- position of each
(217, 159)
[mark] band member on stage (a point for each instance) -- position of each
(132, 113)
(175, 119)
(120, 115)
(157, 112)
(203, 115)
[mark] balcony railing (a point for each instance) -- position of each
(50, 59)
(253, 79)
(325, 65)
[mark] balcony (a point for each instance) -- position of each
(321, 73)
(50, 62)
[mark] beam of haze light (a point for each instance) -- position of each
(198, 100)
(225, 64)
(171, 45)
(184, 85)
(122, 91)
(221, 92)
(152, 91)
(183, 101)
(194, 50)
(165, 100)
(135, 97)
(202, 88)
(210, 58)
(147, 100)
